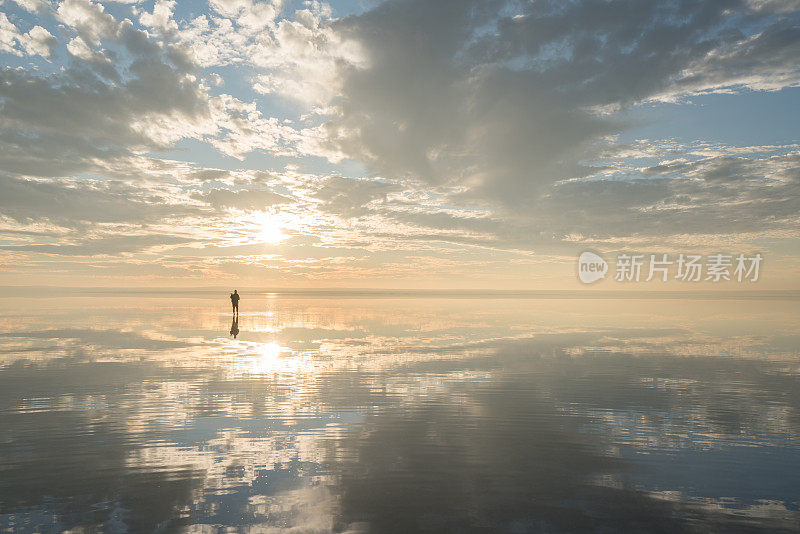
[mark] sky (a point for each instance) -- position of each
(455, 144)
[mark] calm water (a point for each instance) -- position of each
(399, 414)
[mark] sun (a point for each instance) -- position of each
(271, 233)
(268, 229)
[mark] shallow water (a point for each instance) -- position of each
(330, 413)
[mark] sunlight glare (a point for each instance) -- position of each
(269, 229)
(268, 358)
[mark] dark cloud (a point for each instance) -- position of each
(715, 194)
(247, 199)
(82, 200)
(349, 197)
(496, 96)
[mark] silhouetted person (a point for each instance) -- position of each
(235, 302)
(235, 327)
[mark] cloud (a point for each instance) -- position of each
(248, 199)
(88, 18)
(297, 57)
(161, 17)
(716, 193)
(712, 195)
(90, 105)
(138, 213)
(350, 197)
(78, 48)
(123, 91)
(252, 16)
(32, 6)
(102, 201)
(471, 134)
(38, 41)
(764, 62)
(114, 245)
(505, 99)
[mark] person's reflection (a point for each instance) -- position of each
(235, 326)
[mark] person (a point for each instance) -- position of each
(235, 327)
(235, 302)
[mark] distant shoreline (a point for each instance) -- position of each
(57, 292)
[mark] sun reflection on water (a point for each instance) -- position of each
(270, 358)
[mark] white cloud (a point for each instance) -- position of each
(250, 16)
(124, 91)
(303, 60)
(9, 35)
(298, 56)
(161, 17)
(32, 6)
(88, 18)
(38, 41)
(78, 48)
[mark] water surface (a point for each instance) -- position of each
(141, 413)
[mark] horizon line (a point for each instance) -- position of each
(58, 291)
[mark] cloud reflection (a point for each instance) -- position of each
(399, 415)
